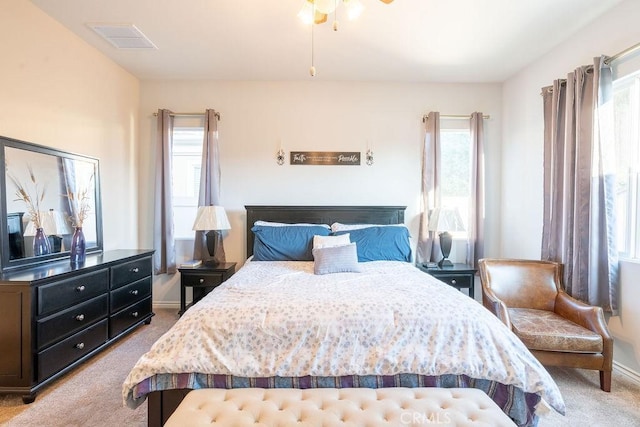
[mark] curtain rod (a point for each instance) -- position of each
(455, 116)
(620, 55)
(187, 115)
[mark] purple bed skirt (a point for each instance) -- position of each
(517, 404)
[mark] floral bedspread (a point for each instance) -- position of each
(278, 319)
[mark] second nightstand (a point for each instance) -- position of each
(460, 276)
(202, 279)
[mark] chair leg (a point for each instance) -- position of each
(605, 380)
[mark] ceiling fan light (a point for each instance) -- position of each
(306, 14)
(354, 8)
(325, 6)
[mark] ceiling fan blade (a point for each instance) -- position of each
(319, 17)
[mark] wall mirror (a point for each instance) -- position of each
(46, 191)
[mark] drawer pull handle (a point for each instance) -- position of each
(135, 269)
(453, 281)
(80, 317)
(80, 345)
(201, 280)
(134, 292)
(134, 314)
(80, 288)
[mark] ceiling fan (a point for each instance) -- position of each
(316, 12)
(320, 9)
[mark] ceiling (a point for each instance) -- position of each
(405, 41)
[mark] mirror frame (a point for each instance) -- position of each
(6, 263)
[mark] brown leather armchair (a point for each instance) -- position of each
(559, 330)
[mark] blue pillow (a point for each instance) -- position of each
(381, 243)
(285, 243)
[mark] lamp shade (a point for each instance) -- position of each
(445, 219)
(211, 218)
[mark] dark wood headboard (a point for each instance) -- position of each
(322, 215)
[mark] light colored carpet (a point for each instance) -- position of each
(587, 405)
(91, 394)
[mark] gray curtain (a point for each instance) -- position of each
(475, 234)
(164, 257)
(430, 187)
(579, 184)
(209, 185)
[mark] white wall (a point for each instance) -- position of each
(316, 116)
(522, 156)
(59, 92)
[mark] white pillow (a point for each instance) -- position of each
(336, 259)
(330, 241)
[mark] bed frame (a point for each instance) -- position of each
(322, 215)
(161, 404)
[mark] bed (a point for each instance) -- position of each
(376, 323)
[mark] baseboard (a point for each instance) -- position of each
(627, 372)
(167, 304)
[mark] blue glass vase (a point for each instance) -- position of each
(78, 247)
(40, 243)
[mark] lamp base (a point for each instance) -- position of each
(212, 242)
(445, 247)
(214, 248)
(444, 263)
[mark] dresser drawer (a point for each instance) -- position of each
(457, 280)
(71, 349)
(71, 320)
(128, 294)
(130, 272)
(208, 280)
(129, 317)
(65, 293)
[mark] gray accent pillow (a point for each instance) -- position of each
(336, 259)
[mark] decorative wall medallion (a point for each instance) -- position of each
(350, 158)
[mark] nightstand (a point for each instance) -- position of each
(203, 279)
(460, 276)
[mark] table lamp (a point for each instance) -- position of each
(211, 219)
(444, 220)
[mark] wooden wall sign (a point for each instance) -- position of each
(349, 158)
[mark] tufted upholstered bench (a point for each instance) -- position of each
(338, 407)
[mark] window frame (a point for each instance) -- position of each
(185, 207)
(450, 126)
(628, 222)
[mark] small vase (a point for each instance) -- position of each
(78, 247)
(40, 243)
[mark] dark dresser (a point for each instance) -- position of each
(54, 316)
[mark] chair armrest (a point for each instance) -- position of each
(496, 306)
(585, 315)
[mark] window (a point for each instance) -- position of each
(187, 159)
(455, 175)
(627, 132)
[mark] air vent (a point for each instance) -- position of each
(123, 36)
